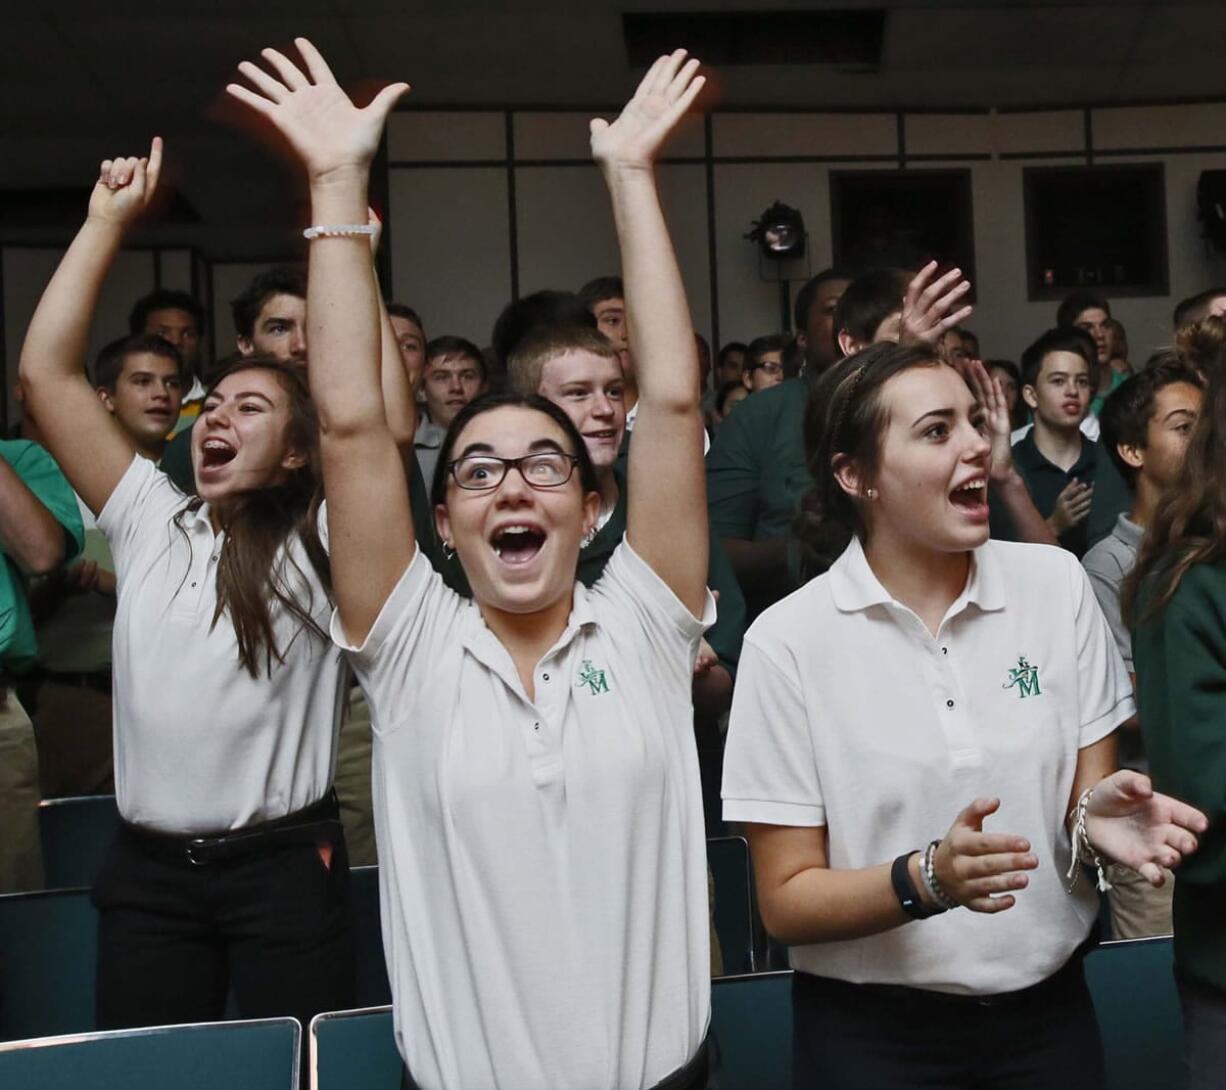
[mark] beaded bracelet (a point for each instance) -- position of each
(929, 873)
(1082, 850)
(340, 230)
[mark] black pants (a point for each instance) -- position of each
(174, 938)
(862, 1035)
(695, 1075)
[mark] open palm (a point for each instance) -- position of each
(1128, 821)
(659, 103)
(320, 122)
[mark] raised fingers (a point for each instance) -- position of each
(153, 169)
(262, 81)
(316, 65)
(667, 72)
(289, 72)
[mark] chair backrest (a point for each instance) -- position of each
(1133, 985)
(256, 1055)
(751, 1024)
(354, 1050)
(76, 833)
(48, 955)
(728, 858)
(373, 990)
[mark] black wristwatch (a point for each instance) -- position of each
(904, 889)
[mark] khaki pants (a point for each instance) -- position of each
(353, 782)
(21, 862)
(75, 739)
(1138, 910)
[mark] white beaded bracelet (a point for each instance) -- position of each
(340, 230)
(1082, 850)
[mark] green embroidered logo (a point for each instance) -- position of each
(1025, 677)
(593, 677)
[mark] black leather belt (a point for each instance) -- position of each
(311, 825)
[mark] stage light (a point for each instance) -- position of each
(780, 232)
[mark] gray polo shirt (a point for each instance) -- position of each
(1106, 564)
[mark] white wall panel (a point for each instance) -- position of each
(805, 134)
(1042, 132)
(1161, 126)
(948, 134)
(446, 135)
(176, 269)
(450, 246)
(26, 273)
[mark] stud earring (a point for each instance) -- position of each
(870, 493)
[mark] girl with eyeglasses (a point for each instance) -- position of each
(536, 787)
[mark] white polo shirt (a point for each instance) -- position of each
(200, 745)
(542, 862)
(849, 714)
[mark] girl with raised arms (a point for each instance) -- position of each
(536, 787)
(229, 871)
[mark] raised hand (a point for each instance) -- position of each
(125, 187)
(972, 865)
(1128, 821)
(634, 140)
(999, 428)
(319, 121)
(928, 306)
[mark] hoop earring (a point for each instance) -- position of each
(448, 551)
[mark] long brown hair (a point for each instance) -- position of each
(1189, 526)
(844, 417)
(255, 571)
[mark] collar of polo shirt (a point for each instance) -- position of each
(854, 587)
(486, 647)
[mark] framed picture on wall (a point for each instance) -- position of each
(902, 218)
(1098, 227)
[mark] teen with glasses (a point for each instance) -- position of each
(536, 787)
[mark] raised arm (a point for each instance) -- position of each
(83, 437)
(370, 527)
(666, 520)
(399, 397)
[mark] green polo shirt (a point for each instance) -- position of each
(729, 629)
(1045, 481)
(1180, 660)
(39, 472)
(756, 472)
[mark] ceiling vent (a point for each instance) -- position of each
(840, 38)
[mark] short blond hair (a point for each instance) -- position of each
(527, 361)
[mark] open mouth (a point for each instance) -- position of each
(215, 453)
(971, 497)
(517, 543)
